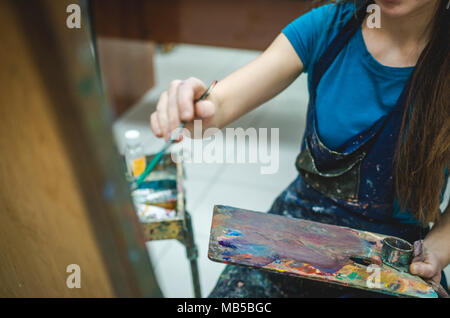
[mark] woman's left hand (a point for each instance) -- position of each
(433, 254)
(427, 266)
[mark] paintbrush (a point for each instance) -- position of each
(166, 146)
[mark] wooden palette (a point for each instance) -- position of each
(306, 249)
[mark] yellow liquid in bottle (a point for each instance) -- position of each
(138, 166)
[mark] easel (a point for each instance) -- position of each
(179, 227)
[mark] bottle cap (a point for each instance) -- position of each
(132, 137)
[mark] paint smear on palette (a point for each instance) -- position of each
(306, 249)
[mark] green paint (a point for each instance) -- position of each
(353, 275)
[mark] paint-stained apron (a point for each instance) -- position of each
(350, 186)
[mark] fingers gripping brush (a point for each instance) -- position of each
(166, 146)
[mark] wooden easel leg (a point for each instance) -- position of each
(192, 254)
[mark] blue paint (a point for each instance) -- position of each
(227, 244)
(158, 184)
(233, 233)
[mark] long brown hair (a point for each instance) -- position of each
(423, 149)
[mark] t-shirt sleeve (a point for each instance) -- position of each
(308, 33)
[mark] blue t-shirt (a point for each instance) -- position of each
(356, 90)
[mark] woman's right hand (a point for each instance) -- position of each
(232, 97)
(177, 105)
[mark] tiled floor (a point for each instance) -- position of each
(239, 185)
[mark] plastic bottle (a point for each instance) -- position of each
(134, 154)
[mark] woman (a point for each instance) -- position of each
(377, 141)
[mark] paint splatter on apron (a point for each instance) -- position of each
(351, 186)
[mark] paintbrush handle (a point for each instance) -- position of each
(157, 158)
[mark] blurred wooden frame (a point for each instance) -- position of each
(64, 198)
(127, 71)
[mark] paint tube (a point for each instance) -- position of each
(166, 198)
(148, 213)
(149, 196)
(158, 185)
(161, 175)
